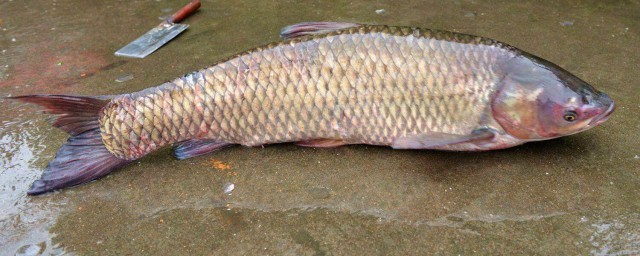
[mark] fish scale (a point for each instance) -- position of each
(367, 84)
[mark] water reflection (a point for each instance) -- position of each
(24, 223)
(616, 237)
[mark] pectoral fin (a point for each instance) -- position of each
(321, 143)
(195, 147)
(435, 140)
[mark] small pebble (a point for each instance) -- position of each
(228, 188)
(566, 23)
(13, 39)
(636, 157)
(30, 249)
(455, 219)
(320, 192)
(470, 14)
(124, 78)
(381, 11)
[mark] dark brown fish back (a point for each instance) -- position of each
(422, 33)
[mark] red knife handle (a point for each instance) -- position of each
(187, 10)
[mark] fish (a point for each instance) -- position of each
(328, 84)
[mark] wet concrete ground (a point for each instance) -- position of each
(574, 195)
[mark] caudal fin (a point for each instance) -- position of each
(83, 157)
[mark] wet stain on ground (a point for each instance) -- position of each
(56, 66)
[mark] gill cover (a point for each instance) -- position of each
(538, 100)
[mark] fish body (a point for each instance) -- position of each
(366, 84)
(331, 84)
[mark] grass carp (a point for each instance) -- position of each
(330, 84)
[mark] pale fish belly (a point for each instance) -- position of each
(367, 85)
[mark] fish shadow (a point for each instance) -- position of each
(528, 159)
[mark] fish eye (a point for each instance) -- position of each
(570, 116)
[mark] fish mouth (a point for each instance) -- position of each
(604, 116)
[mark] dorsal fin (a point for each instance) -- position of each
(313, 28)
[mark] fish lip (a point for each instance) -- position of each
(604, 116)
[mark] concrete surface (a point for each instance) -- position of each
(569, 196)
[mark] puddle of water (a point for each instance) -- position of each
(24, 224)
(616, 237)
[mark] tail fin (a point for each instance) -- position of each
(83, 157)
(73, 114)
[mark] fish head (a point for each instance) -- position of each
(538, 100)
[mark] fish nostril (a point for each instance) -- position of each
(605, 100)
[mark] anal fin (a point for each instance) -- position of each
(435, 140)
(313, 28)
(197, 147)
(321, 143)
